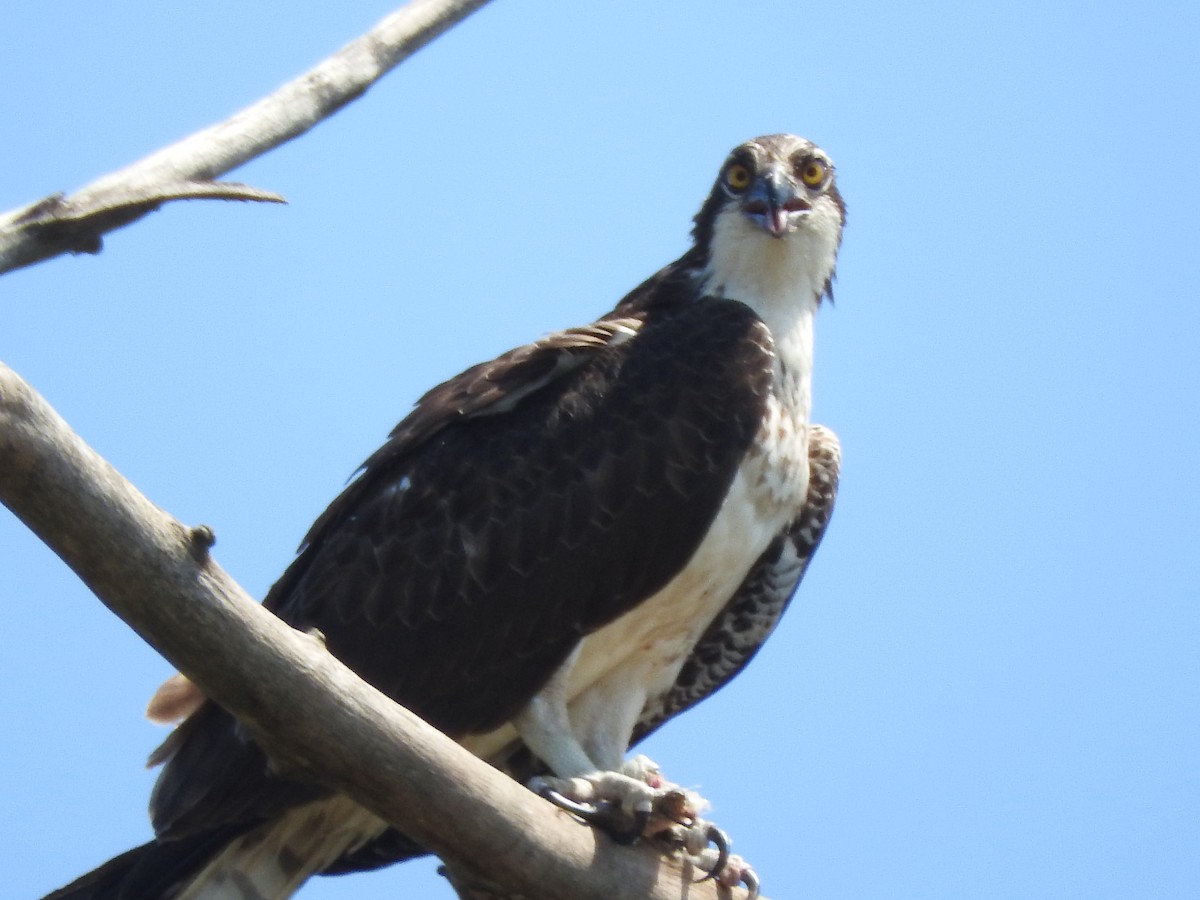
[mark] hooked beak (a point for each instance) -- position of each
(775, 204)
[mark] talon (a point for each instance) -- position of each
(601, 815)
(750, 880)
(587, 813)
(720, 840)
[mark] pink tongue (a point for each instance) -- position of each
(778, 220)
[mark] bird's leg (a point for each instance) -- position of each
(619, 801)
(628, 799)
(617, 796)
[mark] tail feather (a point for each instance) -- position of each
(273, 861)
(153, 870)
(263, 861)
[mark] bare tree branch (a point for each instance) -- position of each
(186, 170)
(315, 717)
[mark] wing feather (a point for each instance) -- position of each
(726, 647)
(521, 505)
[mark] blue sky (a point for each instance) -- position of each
(989, 686)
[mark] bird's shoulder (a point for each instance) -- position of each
(539, 495)
(662, 345)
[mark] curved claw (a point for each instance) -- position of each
(750, 880)
(600, 816)
(720, 840)
(587, 813)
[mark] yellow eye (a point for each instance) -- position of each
(813, 172)
(737, 177)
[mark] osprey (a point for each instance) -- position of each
(553, 554)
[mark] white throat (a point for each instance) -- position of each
(781, 279)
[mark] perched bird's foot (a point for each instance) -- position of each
(637, 802)
(629, 804)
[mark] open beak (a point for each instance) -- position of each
(775, 204)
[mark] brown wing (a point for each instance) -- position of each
(522, 505)
(726, 647)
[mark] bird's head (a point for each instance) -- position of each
(775, 204)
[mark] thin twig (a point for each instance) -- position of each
(187, 169)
